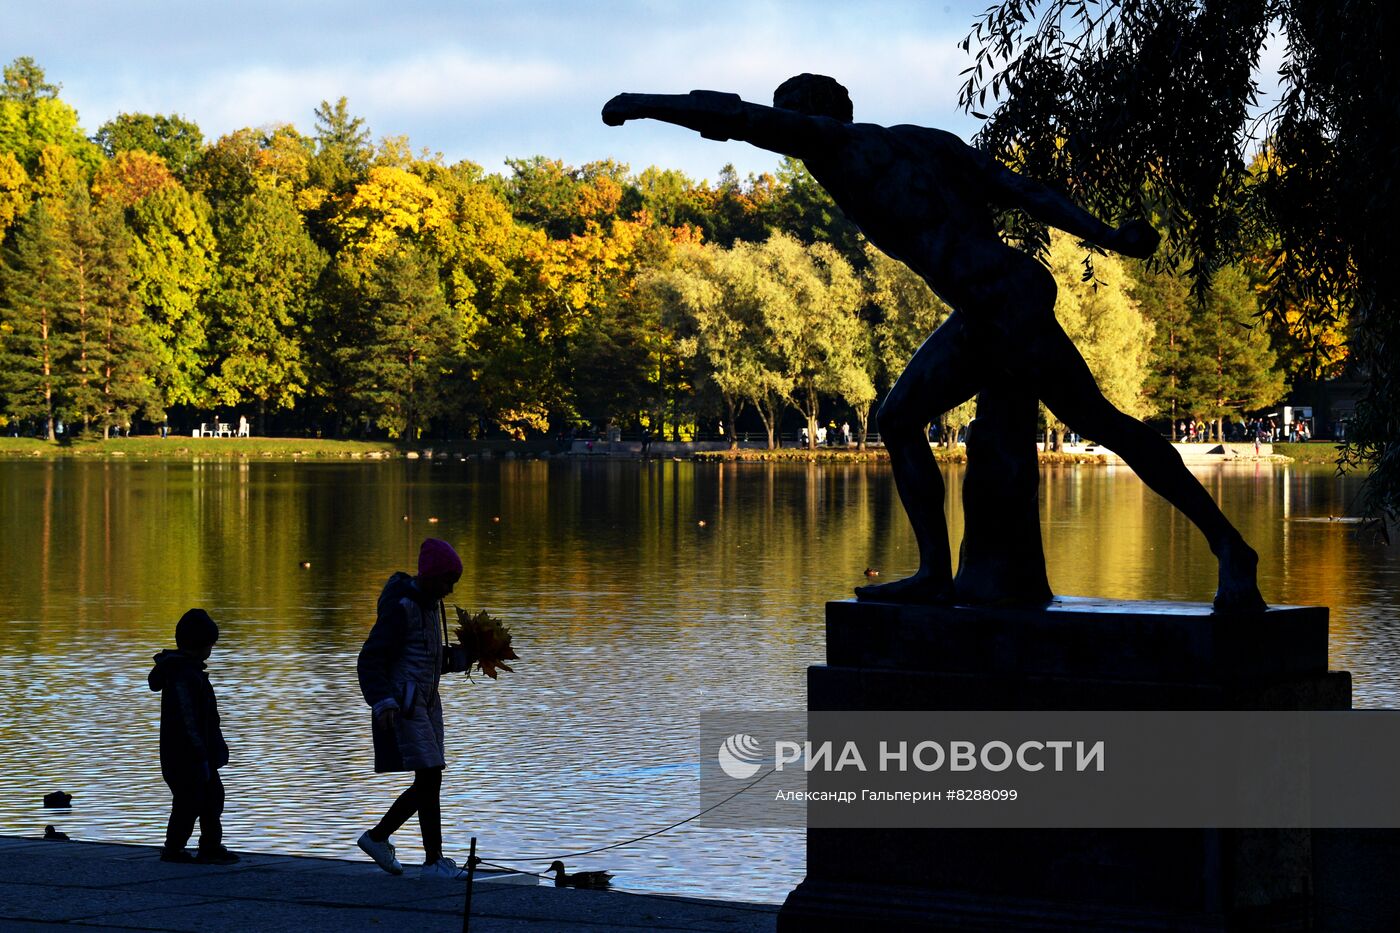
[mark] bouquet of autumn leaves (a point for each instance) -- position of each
(486, 641)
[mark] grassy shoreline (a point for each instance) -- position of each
(1311, 452)
(296, 448)
(190, 448)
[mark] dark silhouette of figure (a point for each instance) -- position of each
(192, 747)
(925, 197)
(400, 668)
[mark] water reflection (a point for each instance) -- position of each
(629, 613)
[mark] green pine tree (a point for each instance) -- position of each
(1236, 370)
(261, 303)
(1165, 300)
(79, 317)
(408, 342)
(127, 356)
(34, 286)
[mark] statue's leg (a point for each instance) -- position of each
(1066, 385)
(940, 376)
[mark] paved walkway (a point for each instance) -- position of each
(96, 886)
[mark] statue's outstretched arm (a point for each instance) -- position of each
(1135, 238)
(716, 115)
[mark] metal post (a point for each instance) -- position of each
(467, 906)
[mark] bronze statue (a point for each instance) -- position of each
(924, 196)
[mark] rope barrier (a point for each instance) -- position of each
(664, 829)
(473, 860)
(669, 898)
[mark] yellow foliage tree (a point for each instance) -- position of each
(390, 205)
(1104, 322)
(129, 176)
(13, 183)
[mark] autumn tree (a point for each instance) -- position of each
(776, 324)
(741, 209)
(811, 313)
(176, 140)
(691, 302)
(389, 206)
(130, 176)
(1105, 324)
(32, 116)
(14, 196)
(173, 261)
(56, 173)
(721, 303)
(238, 163)
(671, 198)
(627, 362)
(562, 200)
(477, 247)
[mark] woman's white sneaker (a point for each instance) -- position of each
(382, 853)
(442, 868)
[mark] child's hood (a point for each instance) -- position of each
(399, 586)
(169, 665)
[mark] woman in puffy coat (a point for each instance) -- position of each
(400, 666)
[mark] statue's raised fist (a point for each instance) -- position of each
(619, 110)
(1136, 238)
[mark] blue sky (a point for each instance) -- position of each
(486, 80)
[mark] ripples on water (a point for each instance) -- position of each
(630, 617)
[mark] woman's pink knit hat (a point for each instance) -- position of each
(437, 559)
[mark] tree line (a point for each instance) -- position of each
(328, 283)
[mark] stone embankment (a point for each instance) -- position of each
(95, 886)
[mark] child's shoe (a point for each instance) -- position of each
(179, 856)
(219, 856)
(442, 868)
(381, 852)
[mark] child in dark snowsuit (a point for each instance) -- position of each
(400, 667)
(192, 748)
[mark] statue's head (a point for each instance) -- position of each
(814, 95)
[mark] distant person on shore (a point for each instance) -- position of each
(400, 668)
(192, 747)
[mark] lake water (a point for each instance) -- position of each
(628, 613)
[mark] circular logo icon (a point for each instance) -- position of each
(740, 756)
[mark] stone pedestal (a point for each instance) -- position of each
(1075, 654)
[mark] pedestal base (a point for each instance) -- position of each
(1078, 654)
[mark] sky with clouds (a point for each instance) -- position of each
(488, 81)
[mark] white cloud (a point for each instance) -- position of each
(449, 83)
